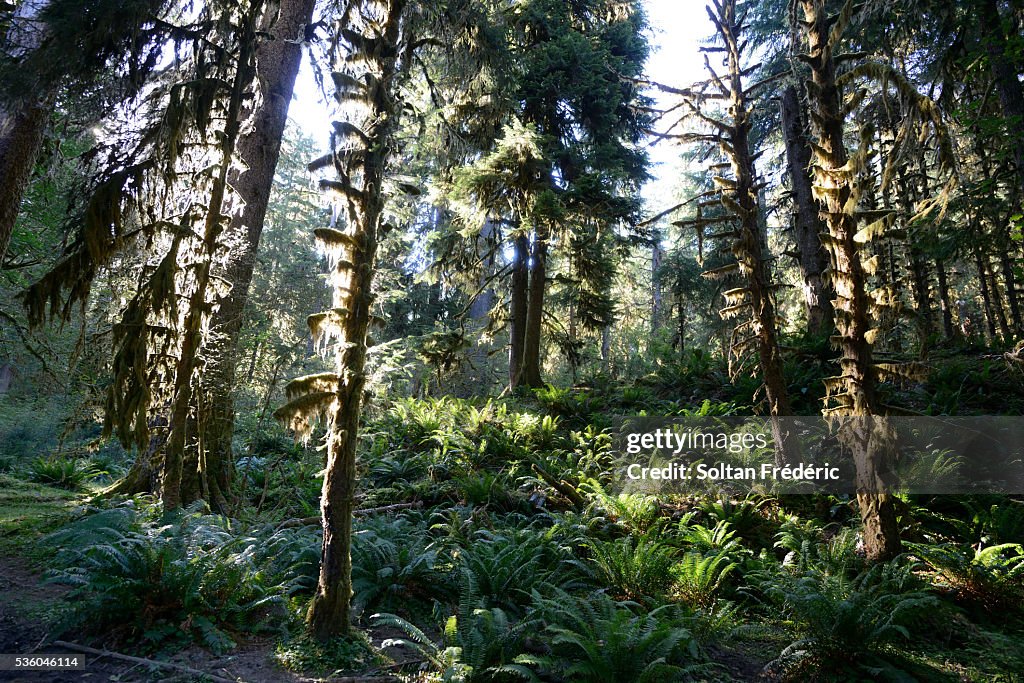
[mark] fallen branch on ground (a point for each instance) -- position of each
(142, 660)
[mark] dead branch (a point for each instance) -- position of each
(141, 660)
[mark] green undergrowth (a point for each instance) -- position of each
(491, 573)
(338, 656)
(27, 512)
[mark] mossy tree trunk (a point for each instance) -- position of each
(531, 374)
(753, 303)
(518, 305)
(23, 121)
(209, 457)
(371, 49)
(193, 335)
(854, 389)
(807, 225)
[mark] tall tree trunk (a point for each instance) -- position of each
(807, 228)
(277, 64)
(481, 306)
(1010, 282)
(921, 288)
(681, 327)
(22, 123)
(606, 347)
(531, 376)
(1005, 72)
(362, 172)
(854, 389)
(193, 335)
(740, 197)
(997, 300)
(518, 306)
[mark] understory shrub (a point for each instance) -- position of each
(845, 623)
(184, 578)
(595, 639)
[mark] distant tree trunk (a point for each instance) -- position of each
(945, 304)
(807, 228)
(531, 376)
(657, 296)
(606, 347)
(918, 267)
(854, 389)
(518, 308)
(681, 328)
(1003, 240)
(1006, 265)
(22, 124)
(997, 300)
(277, 64)
(484, 301)
(986, 296)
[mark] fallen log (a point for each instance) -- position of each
(563, 486)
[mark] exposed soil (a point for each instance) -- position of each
(23, 594)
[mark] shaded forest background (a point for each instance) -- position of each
(378, 375)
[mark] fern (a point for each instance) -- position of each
(843, 621)
(479, 644)
(508, 567)
(598, 640)
(991, 578)
(151, 583)
(697, 578)
(633, 569)
(637, 513)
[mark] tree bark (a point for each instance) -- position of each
(331, 604)
(277, 64)
(807, 226)
(1005, 73)
(741, 199)
(921, 287)
(986, 296)
(854, 390)
(517, 309)
(531, 376)
(1010, 283)
(22, 124)
(657, 296)
(997, 301)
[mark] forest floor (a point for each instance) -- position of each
(473, 507)
(31, 610)
(28, 606)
